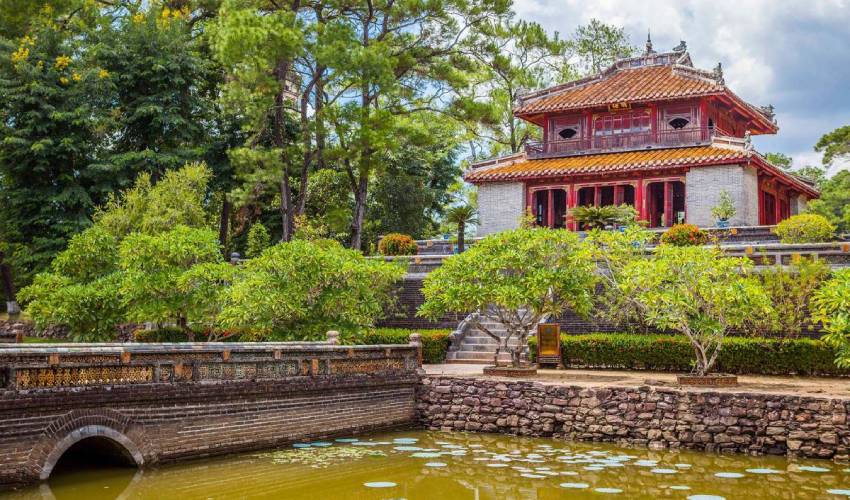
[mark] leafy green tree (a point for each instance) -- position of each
(512, 57)
(779, 159)
(81, 289)
(696, 291)
(157, 76)
(815, 174)
(834, 145)
(47, 124)
(461, 216)
(258, 240)
(790, 291)
(834, 201)
(204, 287)
(153, 267)
(516, 278)
(598, 45)
(832, 308)
(257, 42)
(300, 289)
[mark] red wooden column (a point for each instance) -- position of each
(571, 202)
(639, 200)
(668, 204)
(597, 196)
(618, 195)
(529, 201)
(777, 206)
(550, 208)
(762, 215)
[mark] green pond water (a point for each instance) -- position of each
(436, 466)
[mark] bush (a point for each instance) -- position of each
(832, 308)
(805, 228)
(682, 235)
(763, 356)
(258, 240)
(164, 334)
(397, 244)
(435, 343)
(591, 217)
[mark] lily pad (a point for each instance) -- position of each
(435, 464)
(575, 486)
(706, 497)
(426, 454)
(346, 440)
(845, 493)
(763, 471)
(664, 471)
(407, 448)
(680, 487)
(729, 475)
(380, 484)
(608, 490)
(813, 468)
(532, 476)
(497, 465)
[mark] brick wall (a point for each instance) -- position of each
(408, 299)
(500, 206)
(703, 186)
(656, 417)
(218, 402)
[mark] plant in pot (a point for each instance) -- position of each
(697, 292)
(591, 217)
(516, 278)
(724, 210)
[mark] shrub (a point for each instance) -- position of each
(805, 228)
(832, 307)
(258, 240)
(435, 343)
(164, 334)
(397, 244)
(790, 292)
(682, 235)
(591, 217)
(764, 356)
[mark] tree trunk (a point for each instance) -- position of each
(359, 212)
(184, 325)
(224, 226)
(286, 215)
(461, 230)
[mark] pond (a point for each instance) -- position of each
(437, 466)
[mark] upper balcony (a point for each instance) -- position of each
(621, 142)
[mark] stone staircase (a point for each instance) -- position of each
(475, 346)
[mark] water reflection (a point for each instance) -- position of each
(530, 468)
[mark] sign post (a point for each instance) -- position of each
(549, 345)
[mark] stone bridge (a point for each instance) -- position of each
(150, 403)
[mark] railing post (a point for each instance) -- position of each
(333, 337)
(416, 341)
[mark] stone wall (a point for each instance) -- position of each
(161, 402)
(402, 314)
(500, 206)
(703, 186)
(656, 417)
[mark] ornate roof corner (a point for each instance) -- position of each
(681, 48)
(748, 141)
(769, 111)
(648, 50)
(718, 74)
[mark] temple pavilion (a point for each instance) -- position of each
(651, 131)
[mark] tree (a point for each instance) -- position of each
(832, 308)
(598, 45)
(81, 289)
(256, 42)
(834, 145)
(512, 57)
(516, 278)
(84, 287)
(461, 215)
(258, 240)
(300, 289)
(790, 291)
(153, 268)
(779, 159)
(834, 201)
(157, 76)
(47, 123)
(696, 291)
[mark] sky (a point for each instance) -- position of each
(792, 54)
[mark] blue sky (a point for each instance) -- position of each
(792, 54)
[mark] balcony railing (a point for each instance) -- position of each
(615, 142)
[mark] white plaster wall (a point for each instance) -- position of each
(500, 206)
(703, 186)
(799, 204)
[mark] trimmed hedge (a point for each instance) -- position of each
(741, 355)
(173, 334)
(435, 343)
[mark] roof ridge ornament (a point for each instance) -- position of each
(649, 50)
(682, 47)
(769, 111)
(718, 74)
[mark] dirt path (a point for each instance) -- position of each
(795, 386)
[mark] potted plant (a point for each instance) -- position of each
(515, 278)
(724, 210)
(700, 293)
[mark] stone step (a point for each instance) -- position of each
(473, 356)
(481, 347)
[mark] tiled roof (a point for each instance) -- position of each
(642, 84)
(521, 168)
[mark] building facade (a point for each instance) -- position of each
(653, 132)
